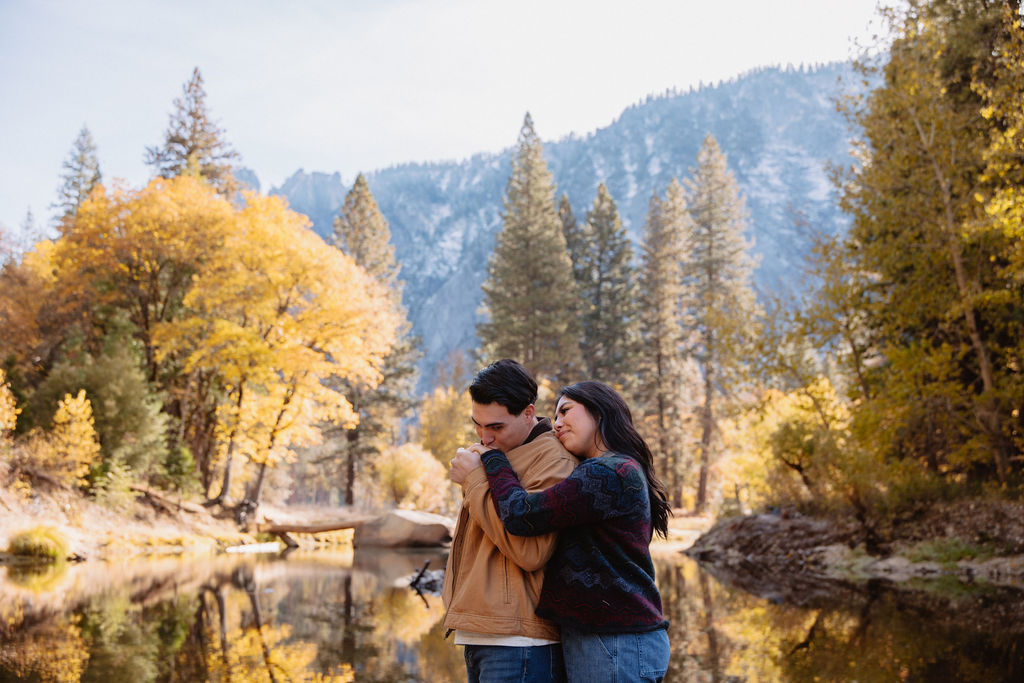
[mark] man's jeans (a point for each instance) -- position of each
(615, 657)
(500, 664)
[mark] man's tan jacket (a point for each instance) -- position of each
(493, 579)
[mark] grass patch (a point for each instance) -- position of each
(42, 542)
(949, 551)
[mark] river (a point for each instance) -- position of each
(328, 616)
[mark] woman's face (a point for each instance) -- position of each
(576, 428)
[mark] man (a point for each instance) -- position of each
(493, 579)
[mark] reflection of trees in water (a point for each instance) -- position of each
(318, 620)
(292, 621)
(865, 633)
(346, 621)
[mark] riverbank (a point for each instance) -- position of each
(153, 524)
(94, 531)
(792, 557)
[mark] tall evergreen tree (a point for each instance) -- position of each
(603, 268)
(31, 232)
(193, 143)
(80, 174)
(529, 275)
(661, 391)
(719, 307)
(362, 232)
(573, 232)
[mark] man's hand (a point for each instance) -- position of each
(465, 461)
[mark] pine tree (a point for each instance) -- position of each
(30, 233)
(80, 174)
(573, 232)
(529, 276)
(362, 232)
(603, 269)
(193, 143)
(719, 306)
(661, 390)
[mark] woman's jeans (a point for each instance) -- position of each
(615, 657)
(500, 664)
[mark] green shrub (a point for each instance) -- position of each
(43, 542)
(948, 551)
(112, 486)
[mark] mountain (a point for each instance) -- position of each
(779, 129)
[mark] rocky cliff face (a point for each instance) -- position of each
(779, 129)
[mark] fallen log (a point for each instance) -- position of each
(169, 504)
(318, 528)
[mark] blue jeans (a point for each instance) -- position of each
(615, 657)
(500, 664)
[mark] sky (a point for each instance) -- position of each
(347, 86)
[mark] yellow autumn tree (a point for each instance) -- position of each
(69, 449)
(28, 316)
(410, 477)
(138, 250)
(273, 314)
(444, 422)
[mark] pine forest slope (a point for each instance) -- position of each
(779, 129)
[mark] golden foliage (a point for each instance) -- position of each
(267, 653)
(72, 446)
(401, 614)
(410, 477)
(27, 310)
(274, 313)
(797, 447)
(444, 422)
(55, 651)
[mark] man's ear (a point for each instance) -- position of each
(529, 411)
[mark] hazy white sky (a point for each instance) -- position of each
(340, 85)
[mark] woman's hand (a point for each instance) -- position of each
(465, 461)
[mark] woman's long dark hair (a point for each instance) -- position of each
(615, 423)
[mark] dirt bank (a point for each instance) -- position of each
(975, 541)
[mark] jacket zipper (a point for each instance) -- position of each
(457, 544)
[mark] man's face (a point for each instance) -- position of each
(500, 429)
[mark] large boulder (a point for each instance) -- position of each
(405, 529)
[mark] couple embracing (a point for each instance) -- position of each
(550, 576)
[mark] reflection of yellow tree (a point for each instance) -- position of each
(55, 651)
(439, 658)
(267, 654)
(402, 615)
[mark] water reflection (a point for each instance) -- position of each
(343, 617)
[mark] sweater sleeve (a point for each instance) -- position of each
(594, 491)
(528, 553)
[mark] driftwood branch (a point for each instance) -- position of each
(166, 503)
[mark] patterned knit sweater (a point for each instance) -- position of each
(600, 578)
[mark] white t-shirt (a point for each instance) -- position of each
(463, 637)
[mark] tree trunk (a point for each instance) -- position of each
(350, 466)
(707, 429)
(709, 627)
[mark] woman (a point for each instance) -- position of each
(599, 584)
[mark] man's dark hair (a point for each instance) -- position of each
(506, 383)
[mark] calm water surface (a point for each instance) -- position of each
(323, 616)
